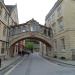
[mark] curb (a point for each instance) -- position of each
(10, 64)
(58, 61)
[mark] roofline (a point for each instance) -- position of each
(26, 24)
(53, 9)
(4, 7)
(7, 11)
(12, 8)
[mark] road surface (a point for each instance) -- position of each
(36, 65)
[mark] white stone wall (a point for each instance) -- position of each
(6, 21)
(68, 33)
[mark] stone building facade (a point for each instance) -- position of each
(61, 18)
(8, 17)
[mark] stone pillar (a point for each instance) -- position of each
(41, 51)
(44, 49)
(15, 50)
(12, 51)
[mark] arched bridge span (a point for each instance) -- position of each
(31, 29)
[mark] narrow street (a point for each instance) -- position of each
(36, 65)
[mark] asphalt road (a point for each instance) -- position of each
(36, 65)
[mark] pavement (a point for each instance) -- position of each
(34, 64)
(8, 61)
(11, 60)
(68, 62)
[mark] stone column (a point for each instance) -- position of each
(44, 49)
(41, 51)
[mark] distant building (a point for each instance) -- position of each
(8, 17)
(61, 19)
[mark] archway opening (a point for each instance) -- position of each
(20, 45)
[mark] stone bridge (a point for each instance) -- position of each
(30, 29)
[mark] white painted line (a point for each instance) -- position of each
(7, 73)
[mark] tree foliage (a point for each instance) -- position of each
(29, 45)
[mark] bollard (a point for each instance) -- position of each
(0, 62)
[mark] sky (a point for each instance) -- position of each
(28, 9)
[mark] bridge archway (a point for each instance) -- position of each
(31, 35)
(31, 29)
